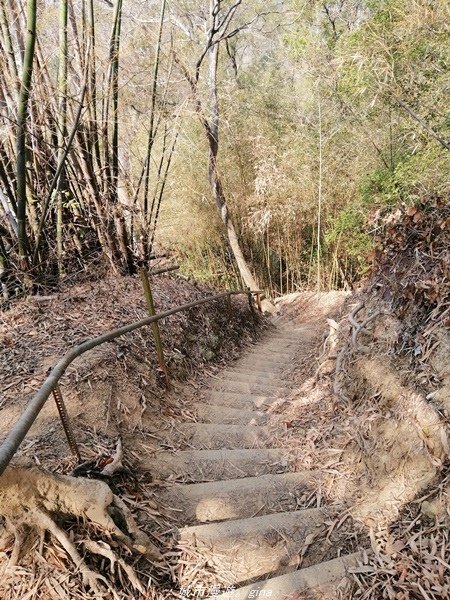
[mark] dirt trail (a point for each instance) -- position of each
(243, 529)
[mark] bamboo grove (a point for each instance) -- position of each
(65, 195)
(256, 141)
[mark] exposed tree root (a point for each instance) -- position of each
(30, 496)
(347, 349)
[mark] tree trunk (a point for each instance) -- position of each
(212, 132)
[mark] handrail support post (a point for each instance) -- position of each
(229, 306)
(64, 416)
(258, 301)
(250, 303)
(155, 325)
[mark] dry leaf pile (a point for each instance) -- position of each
(35, 332)
(410, 289)
(412, 271)
(409, 561)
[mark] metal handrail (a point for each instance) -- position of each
(19, 431)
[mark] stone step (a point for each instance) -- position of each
(238, 399)
(244, 549)
(325, 578)
(287, 334)
(239, 498)
(247, 376)
(264, 364)
(279, 338)
(257, 370)
(272, 351)
(272, 389)
(219, 413)
(276, 340)
(211, 436)
(213, 465)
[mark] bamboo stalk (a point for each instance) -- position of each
(114, 57)
(93, 135)
(146, 216)
(161, 190)
(22, 114)
(319, 199)
(62, 127)
(8, 45)
(74, 132)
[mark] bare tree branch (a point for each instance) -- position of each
(422, 122)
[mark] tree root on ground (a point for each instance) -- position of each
(30, 496)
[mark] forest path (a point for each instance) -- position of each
(241, 529)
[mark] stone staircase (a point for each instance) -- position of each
(238, 499)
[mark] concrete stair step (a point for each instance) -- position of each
(237, 502)
(288, 333)
(249, 376)
(282, 338)
(239, 498)
(265, 367)
(274, 350)
(213, 465)
(270, 365)
(248, 548)
(211, 436)
(268, 388)
(323, 578)
(219, 413)
(236, 399)
(256, 370)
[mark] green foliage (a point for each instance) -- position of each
(348, 234)
(413, 176)
(424, 172)
(354, 62)
(297, 45)
(379, 187)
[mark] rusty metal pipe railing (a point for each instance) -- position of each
(164, 270)
(19, 431)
